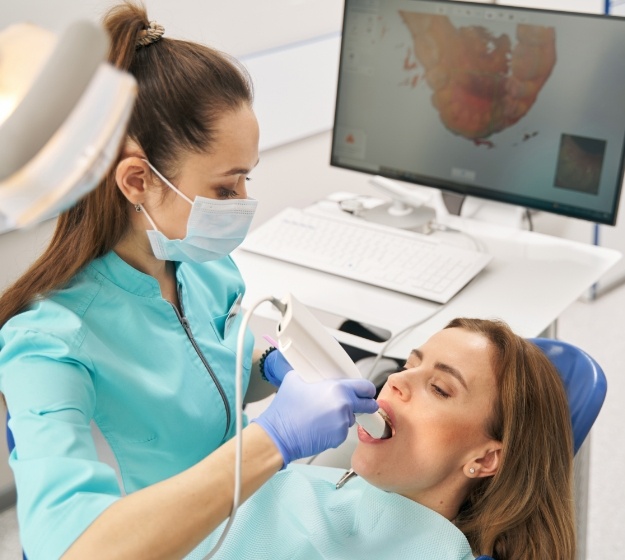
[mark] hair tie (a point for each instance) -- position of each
(150, 35)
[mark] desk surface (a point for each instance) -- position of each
(530, 281)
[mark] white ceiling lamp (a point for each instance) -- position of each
(63, 114)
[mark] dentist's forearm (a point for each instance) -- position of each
(169, 519)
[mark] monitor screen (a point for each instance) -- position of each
(517, 105)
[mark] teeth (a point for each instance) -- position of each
(389, 426)
(384, 415)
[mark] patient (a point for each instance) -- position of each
(480, 462)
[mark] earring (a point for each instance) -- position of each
(472, 470)
(137, 207)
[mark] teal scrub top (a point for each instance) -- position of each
(109, 349)
(300, 515)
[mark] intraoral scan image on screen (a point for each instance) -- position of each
(481, 83)
(502, 103)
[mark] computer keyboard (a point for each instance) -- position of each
(399, 260)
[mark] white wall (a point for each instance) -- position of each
(239, 27)
(289, 46)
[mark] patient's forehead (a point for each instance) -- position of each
(468, 351)
(455, 340)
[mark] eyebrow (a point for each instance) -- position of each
(444, 368)
(239, 170)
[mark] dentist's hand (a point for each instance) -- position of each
(305, 419)
(275, 367)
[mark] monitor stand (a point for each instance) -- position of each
(493, 212)
(415, 207)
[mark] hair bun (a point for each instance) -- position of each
(150, 35)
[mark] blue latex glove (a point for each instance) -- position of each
(275, 367)
(305, 419)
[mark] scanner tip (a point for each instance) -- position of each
(388, 430)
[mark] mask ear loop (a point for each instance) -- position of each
(147, 216)
(166, 181)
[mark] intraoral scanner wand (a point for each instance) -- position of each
(317, 355)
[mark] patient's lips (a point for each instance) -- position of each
(481, 85)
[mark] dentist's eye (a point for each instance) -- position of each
(225, 193)
(439, 392)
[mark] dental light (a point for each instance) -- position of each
(63, 114)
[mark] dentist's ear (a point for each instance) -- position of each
(132, 176)
(486, 464)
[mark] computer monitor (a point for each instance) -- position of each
(516, 105)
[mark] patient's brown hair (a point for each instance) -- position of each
(526, 509)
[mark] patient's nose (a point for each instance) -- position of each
(399, 384)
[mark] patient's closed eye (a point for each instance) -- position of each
(439, 392)
(436, 389)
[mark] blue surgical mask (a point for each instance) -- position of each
(215, 228)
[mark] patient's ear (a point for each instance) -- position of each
(488, 463)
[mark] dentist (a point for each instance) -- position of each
(126, 327)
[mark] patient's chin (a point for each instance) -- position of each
(363, 462)
(373, 464)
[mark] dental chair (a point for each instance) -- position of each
(585, 384)
(11, 444)
(583, 379)
(10, 440)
